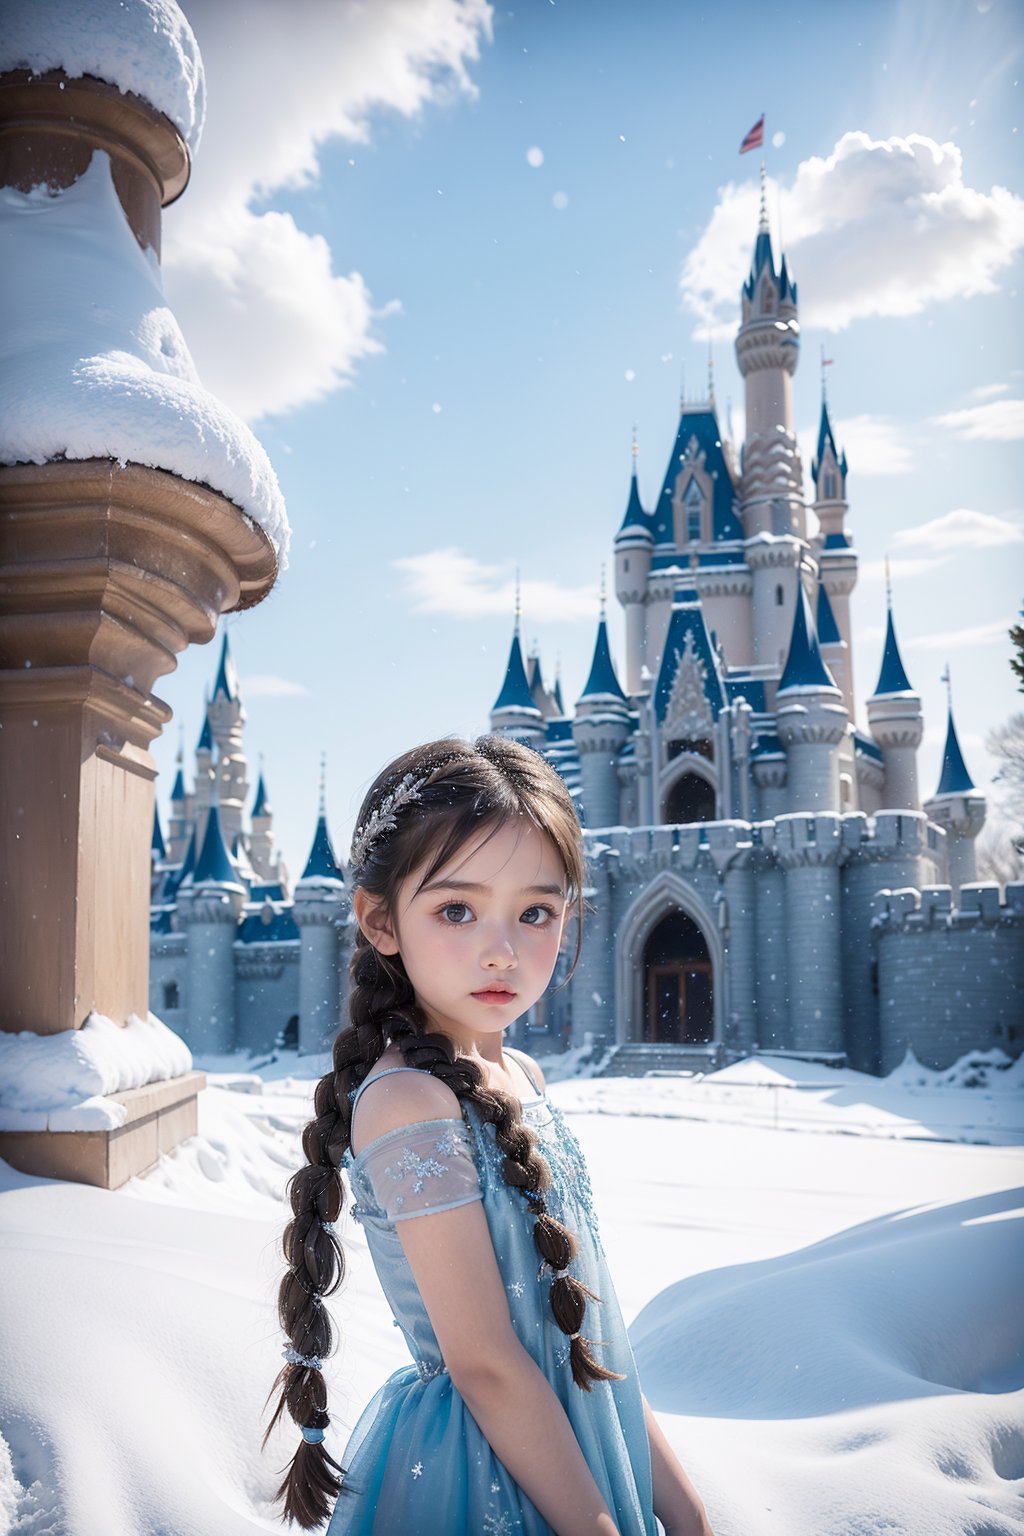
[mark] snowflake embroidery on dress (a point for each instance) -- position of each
(495, 1487)
(446, 1143)
(500, 1525)
(517, 1288)
(562, 1355)
(424, 1168)
(417, 1469)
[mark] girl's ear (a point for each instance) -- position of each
(372, 917)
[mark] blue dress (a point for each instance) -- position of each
(417, 1463)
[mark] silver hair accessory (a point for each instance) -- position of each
(311, 1433)
(312, 1362)
(328, 1226)
(556, 1274)
(576, 1335)
(383, 817)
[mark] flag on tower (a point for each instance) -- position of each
(755, 138)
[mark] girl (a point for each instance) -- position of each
(522, 1411)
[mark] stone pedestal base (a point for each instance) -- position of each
(160, 1116)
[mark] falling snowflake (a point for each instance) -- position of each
(417, 1469)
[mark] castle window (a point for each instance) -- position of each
(767, 300)
(830, 487)
(693, 506)
(172, 997)
(780, 597)
(625, 564)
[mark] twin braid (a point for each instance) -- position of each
(382, 1007)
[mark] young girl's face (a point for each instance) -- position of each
(479, 941)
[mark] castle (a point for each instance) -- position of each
(764, 874)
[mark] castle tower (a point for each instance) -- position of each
(837, 559)
(209, 909)
(767, 352)
(896, 722)
(202, 791)
(262, 852)
(319, 910)
(835, 652)
(811, 718)
(178, 826)
(514, 712)
(226, 715)
(600, 731)
(633, 545)
(959, 808)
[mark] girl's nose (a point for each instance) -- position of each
(498, 950)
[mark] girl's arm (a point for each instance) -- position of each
(453, 1263)
(676, 1501)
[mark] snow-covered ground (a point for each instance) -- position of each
(823, 1284)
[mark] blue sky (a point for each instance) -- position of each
(444, 346)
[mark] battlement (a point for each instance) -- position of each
(981, 905)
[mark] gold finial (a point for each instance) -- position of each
(323, 783)
(636, 447)
(519, 604)
(888, 584)
(604, 594)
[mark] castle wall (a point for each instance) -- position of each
(950, 979)
(266, 991)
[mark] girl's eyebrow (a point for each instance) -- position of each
(472, 885)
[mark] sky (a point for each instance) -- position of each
(442, 256)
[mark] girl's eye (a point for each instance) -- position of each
(541, 917)
(459, 908)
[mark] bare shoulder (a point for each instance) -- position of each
(399, 1099)
(531, 1066)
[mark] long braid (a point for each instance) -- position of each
(383, 1010)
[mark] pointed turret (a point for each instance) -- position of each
(828, 467)
(158, 847)
(634, 545)
(226, 684)
(261, 805)
(957, 807)
(804, 669)
(892, 677)
(602, 682)
(319, 909)
(178, 792)
(322, 863)
(515, 690)
(954, 779)
(205, 742)
(828, 629)
(214, 866)
(514, 712)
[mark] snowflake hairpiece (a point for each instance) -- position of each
(384, 817)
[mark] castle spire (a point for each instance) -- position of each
(954, 779)
(322, 863)
(762, 221)
(804, 665)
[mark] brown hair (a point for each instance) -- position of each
(466, 789)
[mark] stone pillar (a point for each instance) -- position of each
(810, 850)
(961, 816)
(811, 725)
(772, 960)
(599, 739)
(897, 724)
(741, 954)
(319, 912)
(107, 570)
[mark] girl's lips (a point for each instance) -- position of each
(494, 995)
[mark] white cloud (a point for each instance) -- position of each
(988, 391)
(266, 685)
(269, 322)
(874, 445)
(879, 227)
(955, 640)
(1000, 421)
(957, 529)
(899, 569)
(462, 587)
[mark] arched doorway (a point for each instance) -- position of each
(690, 798)
(678, 1004)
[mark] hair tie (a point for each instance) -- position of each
(311, 1434)
(328, 1226)
(311, 1362)
(578, 1334)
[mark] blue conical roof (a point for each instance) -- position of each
(214, 866)
(205, 743)
(158, 846)
(954, 779)
(190, 857)
(804, 667)
(261, 805)
(826, 438)
(322, 863)
(602, 677)
(227, 677)
(892, 678)
(558, 696)
(178, 792)
(515, 690)
(828, 629)
(635, 517)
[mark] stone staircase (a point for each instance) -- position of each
(637, 1060)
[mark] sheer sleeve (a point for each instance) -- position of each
(423, 1168)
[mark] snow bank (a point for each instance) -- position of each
(57, 1082)
(143, 46)
(93, 363)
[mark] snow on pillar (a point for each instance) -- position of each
(134, 509)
